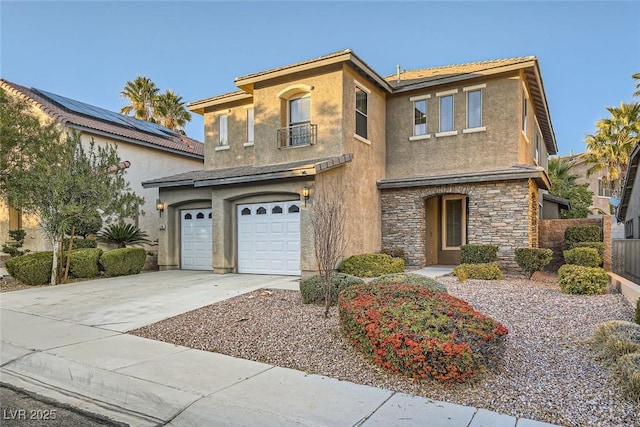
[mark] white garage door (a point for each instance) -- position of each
(269, 238)
(196, 239)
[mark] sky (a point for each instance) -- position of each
(88, 50)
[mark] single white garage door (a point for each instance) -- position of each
(269, 238)
(197, 240)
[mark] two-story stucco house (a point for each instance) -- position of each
(425, 161)
(148, 150)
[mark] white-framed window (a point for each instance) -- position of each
(223, 136)
(250, 125)
(454, 221)
(474, 109)
(420, 117)
(299, 121)
(362, 112)
(446, 113)
(536, 153)
(604, 187)
(524, 112)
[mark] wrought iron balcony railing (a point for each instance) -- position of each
(297, 135)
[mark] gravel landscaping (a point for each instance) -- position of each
(548, 372)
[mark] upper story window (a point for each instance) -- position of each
(474, 109)
(536, 153)
(420, 117)
(362, 112)
(605, 187)
(250, 125)
(223, 137)
(446, 113)
(524, 112)
(297, 130)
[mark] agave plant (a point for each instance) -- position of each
(122, 234)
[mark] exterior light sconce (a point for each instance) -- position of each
(305, 194)
(159, 206)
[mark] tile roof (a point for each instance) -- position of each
(247, 174)
(433, 74)
(180, 144)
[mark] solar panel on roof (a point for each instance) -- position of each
(106, 115)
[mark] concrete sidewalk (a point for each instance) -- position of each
(67, 343)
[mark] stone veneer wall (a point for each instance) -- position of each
(500, 213)
(551, 235)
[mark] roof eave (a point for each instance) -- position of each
(462, 77)
(198, 107)
(632, 171)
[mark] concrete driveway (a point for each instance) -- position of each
(67, 343)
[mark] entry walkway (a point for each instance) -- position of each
(68, 343)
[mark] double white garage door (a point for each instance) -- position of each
(268, 238)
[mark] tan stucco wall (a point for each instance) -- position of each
(494, 148)
(598, 203)
(270, 112)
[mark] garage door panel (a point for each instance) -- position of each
(196, 239)
(269, 243)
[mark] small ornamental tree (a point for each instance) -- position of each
(328, 223)
(57, 179)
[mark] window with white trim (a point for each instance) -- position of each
(362, 113)
(446, 113)
(299, 119)
(420, 117)
(250, 124)
(223, 138)
(474, 109)
(454, 221)
(537, 147)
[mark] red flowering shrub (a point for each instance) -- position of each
(418, 332)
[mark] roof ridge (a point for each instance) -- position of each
(488, 61)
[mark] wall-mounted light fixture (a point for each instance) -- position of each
(159, 206)
(305, 194)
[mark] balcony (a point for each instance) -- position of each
(297, 135)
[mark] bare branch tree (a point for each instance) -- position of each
(327, 219)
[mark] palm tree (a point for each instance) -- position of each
(141, 94)
(560, 170)
(170, 111)
(637, 77)
(609, 147)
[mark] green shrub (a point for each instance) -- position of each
(84, 262)
(123, 261)
(414, 331)
(533, 259)
(79, 244)
(122, 234)
(13, 248)
(487, 271)
(628, 367)
(599, 246)
(409, 279)
(31, 269)
(638, 311)
(586, 257)
(576, 279)
(312, 290)
(478, 254)
(393, 252)
(371, 265)
(582, 233)
(615, 338)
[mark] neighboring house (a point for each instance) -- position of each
(601, 188)
(425, 161)
(629, 209)
(147, 149)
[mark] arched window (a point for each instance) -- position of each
(209, 215)
(261, 211)
(294, 209)
(200, 215)
(276, 210)
(246, 211)
(188, 216)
